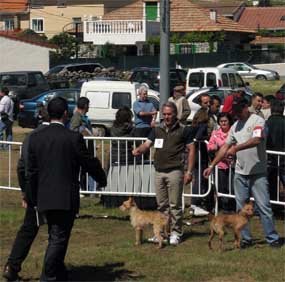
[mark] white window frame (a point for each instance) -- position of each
(38, 19)
(9, 24)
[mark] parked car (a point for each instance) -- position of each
(280, 94)
(23, 85)
(213, 77)
(151, 77)
(193, 98)
(84, 67)
(27, 116)
(249, 71)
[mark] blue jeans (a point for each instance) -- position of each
(7, 128)
(257, 186)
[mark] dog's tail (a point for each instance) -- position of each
(210, 216)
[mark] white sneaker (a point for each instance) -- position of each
(200, 212)
(174, 239)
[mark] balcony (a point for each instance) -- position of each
(120, 32)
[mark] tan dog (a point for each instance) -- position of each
(140, 219)
(236, 221)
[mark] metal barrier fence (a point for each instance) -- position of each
(277, 168)
(126, 174)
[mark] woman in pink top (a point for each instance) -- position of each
(217, 140)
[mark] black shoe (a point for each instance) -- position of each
(246, 244)
(276, 244)
(10, 273)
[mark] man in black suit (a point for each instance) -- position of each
(54, 160)
(30, 227)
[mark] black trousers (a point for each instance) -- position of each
(60, 223)
(24, 239)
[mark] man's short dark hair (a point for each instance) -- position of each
(239, 104)
(277, 107)
(257, 94)
(202, 96)
(5, 90)
(56, 107)
(269, 98)
(213, 98)
(82, 103)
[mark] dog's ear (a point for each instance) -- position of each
(131, 199)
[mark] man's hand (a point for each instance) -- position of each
(187, 178)
(24, 204)
(136, 152)
(152, 124)
(207, 172)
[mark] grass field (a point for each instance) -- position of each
(266, 87)
(102, 249)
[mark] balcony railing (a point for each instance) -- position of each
(116, 32)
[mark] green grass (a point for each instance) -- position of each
(266, 87)
(102, 249)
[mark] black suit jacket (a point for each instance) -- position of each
(55, 155)
(22, 164)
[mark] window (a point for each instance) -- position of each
(151, 11)
(37, 4)
(37, 25)
(211, 80)
(77, 20)
(233, 83)
(225, 80)
(98, 99)
(239, 81)
(121, 99)
(39, 79)
(61, 3)
(9, 24)
(196, 79)
(69, 95)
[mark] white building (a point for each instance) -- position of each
(18, 54)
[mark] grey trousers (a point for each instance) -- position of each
(169, 188)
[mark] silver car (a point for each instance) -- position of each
(249, 71)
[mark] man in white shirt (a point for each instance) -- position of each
(6, 118)
(247, 141)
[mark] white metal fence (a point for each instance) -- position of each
(126, 175)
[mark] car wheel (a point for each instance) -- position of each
(261, 77)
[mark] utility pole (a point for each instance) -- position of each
(164, 51)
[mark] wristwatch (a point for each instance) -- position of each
(189, 172)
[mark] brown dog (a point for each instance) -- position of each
(140, 219)
(235, 221)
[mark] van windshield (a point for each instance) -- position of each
(13, 80)
(196, 79)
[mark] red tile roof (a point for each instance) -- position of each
(263, 17)
(13, 6)
(26, 40)
(184, 17)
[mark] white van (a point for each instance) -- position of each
(213, 77)
(106, 97)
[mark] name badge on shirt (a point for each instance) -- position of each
(158, 143)
(257, 132)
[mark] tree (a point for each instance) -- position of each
(67, 45)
